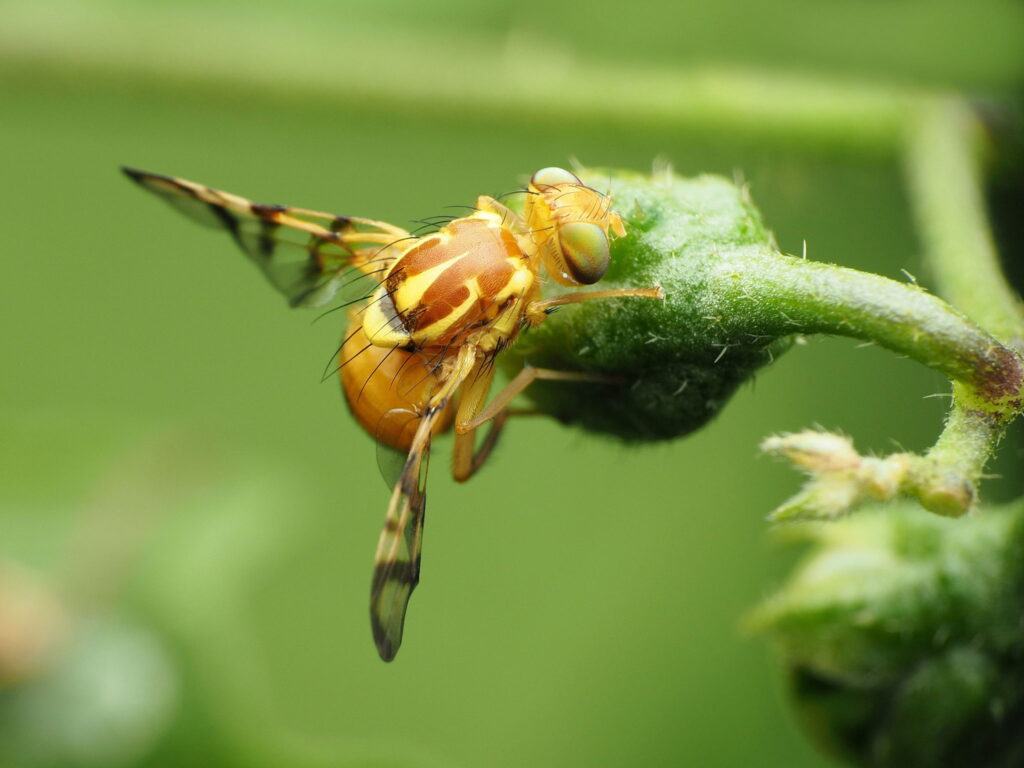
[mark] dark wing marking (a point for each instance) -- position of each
(396, 570)
(303, 253)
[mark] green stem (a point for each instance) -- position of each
(944, 156)
(968, 439)
(812, 297)
(731, 303)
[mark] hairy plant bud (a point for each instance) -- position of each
(902, 633)
(672, 364)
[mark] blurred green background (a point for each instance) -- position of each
(205, 511)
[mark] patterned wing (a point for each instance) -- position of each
(396, 569)
(303, 253)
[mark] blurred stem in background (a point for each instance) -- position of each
(947, 151)
(798, 111)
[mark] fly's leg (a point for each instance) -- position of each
(537, 311)
(472, 414)
(466, 459)
(514, 388)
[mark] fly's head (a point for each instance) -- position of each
(571, 223)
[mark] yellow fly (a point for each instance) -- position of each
(446, 304)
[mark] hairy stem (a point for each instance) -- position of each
(944, 169)
(944, 158)
(811, 297)
(732, 302)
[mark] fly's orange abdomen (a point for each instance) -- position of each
(386, 388)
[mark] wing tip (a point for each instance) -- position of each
(386, 648)
(144, 178)
(135, 174)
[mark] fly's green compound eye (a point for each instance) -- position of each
(550, 177)
(586, 252)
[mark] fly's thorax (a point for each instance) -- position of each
(387, 388)
(448, 284)
(570, 223)
(507, 314)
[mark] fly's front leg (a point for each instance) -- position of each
(537, 311)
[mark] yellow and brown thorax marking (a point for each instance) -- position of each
(469, 276)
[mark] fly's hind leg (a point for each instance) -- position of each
(466, 458)
(514, 388)
(472, 414)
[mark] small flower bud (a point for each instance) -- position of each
(814, 451)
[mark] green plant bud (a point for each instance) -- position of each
(674, 363)
(732, 304)
(902, 632)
